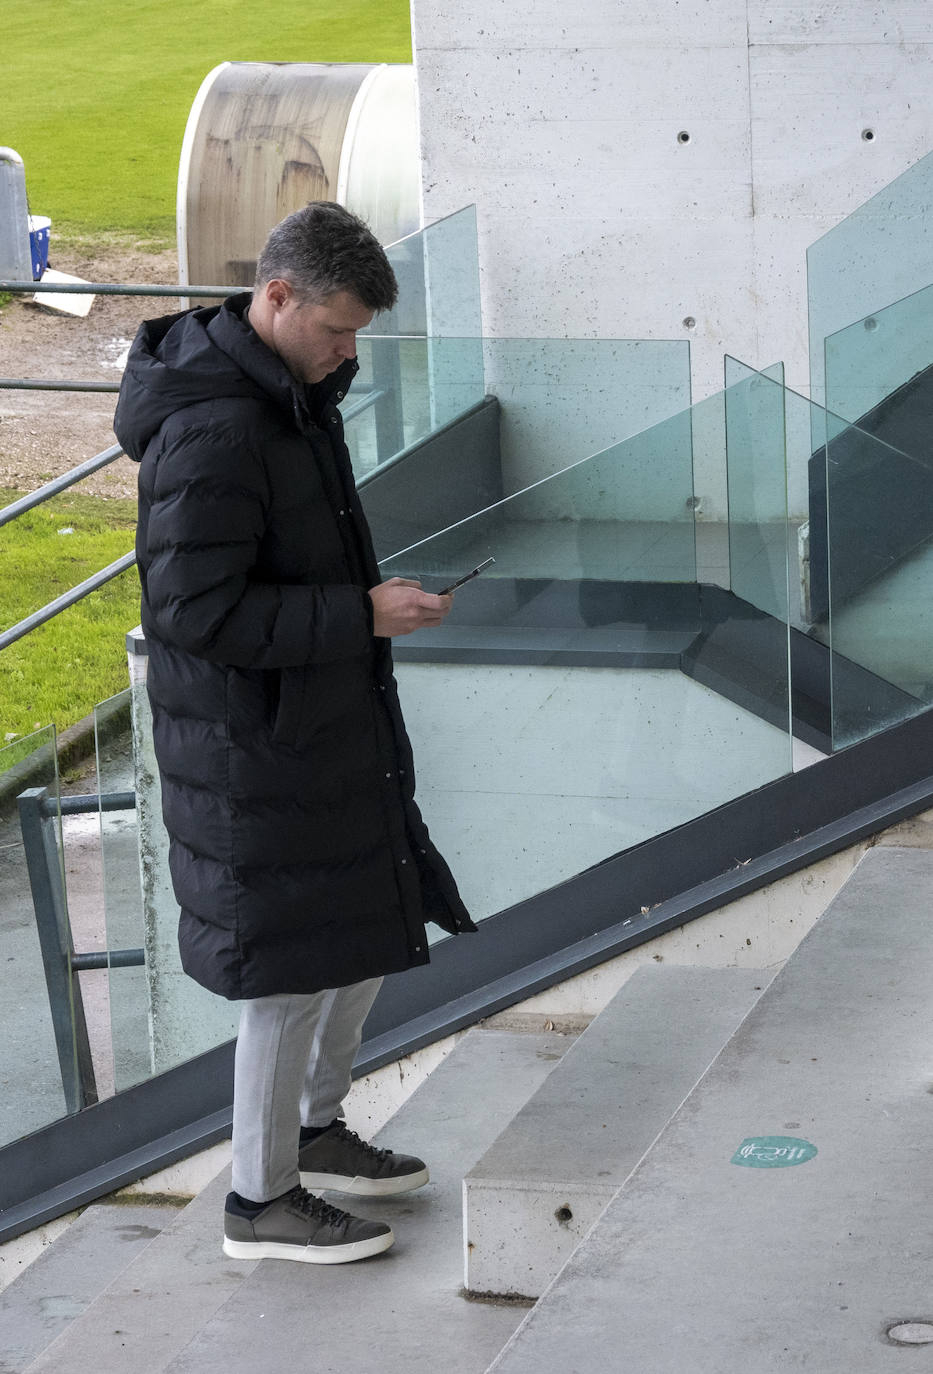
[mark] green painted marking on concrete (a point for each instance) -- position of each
(773, 1152)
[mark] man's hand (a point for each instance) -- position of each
(400, 606)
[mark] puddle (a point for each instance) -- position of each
(115, 353)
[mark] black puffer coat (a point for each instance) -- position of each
(299, 858)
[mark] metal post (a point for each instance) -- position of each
(15, 257)
(36, 813)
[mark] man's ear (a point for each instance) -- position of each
(278, 292)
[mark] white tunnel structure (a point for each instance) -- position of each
(265, 138)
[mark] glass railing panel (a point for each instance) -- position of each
(762, 548)
(406, 390)
(403, 391)
(810, 667)
(621, 514)
(559, 400)
(858, 569)
(437, 269)
(708, 425)
(127, 984)
(879, 254)
(879, 373)
(880, 582)
(759, 528)
(33, 1093)
(551, 724)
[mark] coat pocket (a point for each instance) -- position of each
(287, 722)
(252, 701)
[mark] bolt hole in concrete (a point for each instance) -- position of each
(684, 137)
(868, 135)
(871, 324)
(563, 1215)
(689, 322)
(911, 1333)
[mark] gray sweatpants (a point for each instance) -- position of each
(294, 1053)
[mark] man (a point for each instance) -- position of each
(300, 861)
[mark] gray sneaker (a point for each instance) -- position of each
(339, 1159)
(300, 1226)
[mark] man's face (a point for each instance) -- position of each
(313, 339)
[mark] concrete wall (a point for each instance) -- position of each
(658, 171)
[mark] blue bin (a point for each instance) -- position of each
(39, 227)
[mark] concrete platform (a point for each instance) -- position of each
(548, 1177)
(728, 1251)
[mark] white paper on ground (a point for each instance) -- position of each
(63, 301)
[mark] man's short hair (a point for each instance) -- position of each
(322, 249)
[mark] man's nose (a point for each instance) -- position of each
(347, 347)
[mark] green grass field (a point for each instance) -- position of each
(94, 97)
(58, 673)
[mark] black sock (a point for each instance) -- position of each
(244, 1205)
(309, 1133)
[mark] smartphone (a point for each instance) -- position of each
(467, 577)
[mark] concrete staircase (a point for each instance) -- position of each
(69, 1276)
(536, 1192)
(701, 1264)
(766, 1210)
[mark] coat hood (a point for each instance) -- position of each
(205, 355)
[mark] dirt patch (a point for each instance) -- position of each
(42, 433)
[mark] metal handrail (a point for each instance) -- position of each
(61, 603)
(57, 484)
(367, 397)
(96, 288)
(90, 584)
(39, 384)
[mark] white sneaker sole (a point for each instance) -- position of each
(365, 1187)
(308, 1254)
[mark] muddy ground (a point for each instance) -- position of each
(43, 434)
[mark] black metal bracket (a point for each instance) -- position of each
(39, 812)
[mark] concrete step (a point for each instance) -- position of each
(157, 1303)
(542, 1184)
(808, 1255)
(63, 1282)
(184, 1307)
